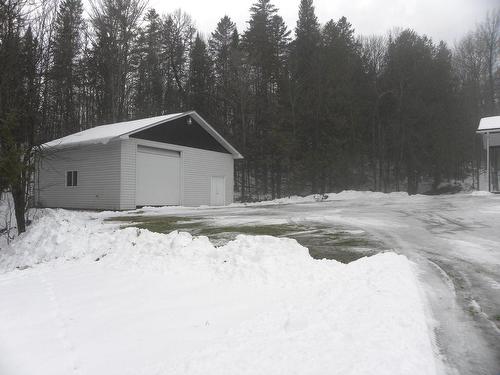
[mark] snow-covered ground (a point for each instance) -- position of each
(454, 240)
(80, 295)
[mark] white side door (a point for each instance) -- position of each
(218, 191)
(157, 177)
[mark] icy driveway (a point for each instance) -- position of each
(455, 240)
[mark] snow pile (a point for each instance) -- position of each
(68, 235)
(481, 193)
(110, 301)
(343, 195)
(56, 234)
(355, 194)
(294, 199)
(346, 195)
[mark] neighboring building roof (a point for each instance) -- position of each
(488, 124)
(122, 130)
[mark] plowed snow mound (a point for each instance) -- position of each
(95, 299)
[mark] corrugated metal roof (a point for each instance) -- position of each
(489, 124)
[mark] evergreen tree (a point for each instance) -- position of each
(279, 141)
(148, 93)
(409, 65)
(305, 100)
(264, 43)
(442, 128)
(115, 24)
(374, 49)
(63, 75)
(240, 134)
(257, 39)
(222, 47)
(342, 136)
(200, 84)
(324, 111)
(19, 107)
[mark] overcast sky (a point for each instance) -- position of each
(440, 19)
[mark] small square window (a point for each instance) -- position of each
(72, 178)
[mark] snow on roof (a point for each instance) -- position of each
(489, 123)
(104, 133)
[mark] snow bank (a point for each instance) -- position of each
(97, 299)
(354, 194)
(480, 193)
(67, 235)
(343, 195)
(55, 234)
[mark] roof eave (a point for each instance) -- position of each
(485, 131)
(62, 146)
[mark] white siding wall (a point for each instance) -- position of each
(106, 175)
(99, 178)
(197, 168)
(127, 175)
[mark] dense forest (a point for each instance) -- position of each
(313, 108)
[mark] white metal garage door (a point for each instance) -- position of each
(157, 177)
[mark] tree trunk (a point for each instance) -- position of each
(18, 194)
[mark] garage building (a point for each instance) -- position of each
(176, 159)
(489, 176)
